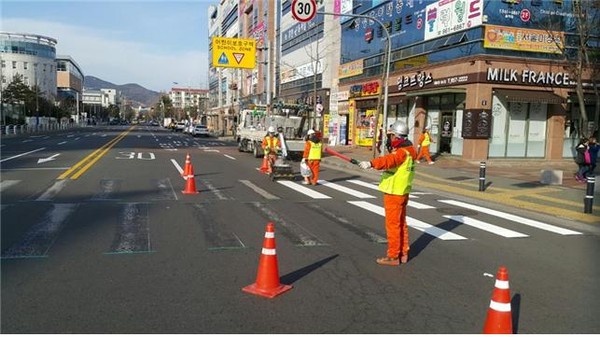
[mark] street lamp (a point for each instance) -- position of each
(386, 73)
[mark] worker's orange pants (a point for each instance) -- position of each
(314, 166)
(395, 224)
(424, 152)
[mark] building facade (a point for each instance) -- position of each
(33, 57)
(69, 85)
(189, 103)
(489, 78)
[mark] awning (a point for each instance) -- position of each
(526, 96)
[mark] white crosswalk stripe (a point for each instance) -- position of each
(430, 229)
(512, 217)
(414, 223)
(346, 190)
(304, 190)
(507, 233)
(6, 184)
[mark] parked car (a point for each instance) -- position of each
(200, 130)
(154, 123)
(180, 126)
(189, 129)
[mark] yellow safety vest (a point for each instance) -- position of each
(271, 142)
(315, 151)
(427, 140)
(398, 180)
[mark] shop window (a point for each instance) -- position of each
(518, 129)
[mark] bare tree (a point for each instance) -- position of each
(580, 51)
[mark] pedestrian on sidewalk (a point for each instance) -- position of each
(396, 183)
(312, 156)
(580, 158)
(593, 148)
(424, 141)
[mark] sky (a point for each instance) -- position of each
(153, 43)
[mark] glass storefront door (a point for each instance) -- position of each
(518, 129)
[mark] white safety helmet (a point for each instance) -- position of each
(310, 132)
(271, 129)
(399, 128)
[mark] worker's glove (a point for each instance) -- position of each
(364, 165)
(303, 160)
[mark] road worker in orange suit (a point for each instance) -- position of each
(396, 183)
(271, 147)
(424, 141)
(312, 156)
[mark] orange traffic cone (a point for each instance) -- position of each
(499, 317)
(265, 165)
(186, 167)
(267, 280)
(190, 182)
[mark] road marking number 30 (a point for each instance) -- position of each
(132, 155)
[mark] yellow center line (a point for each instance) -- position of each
(92, 158)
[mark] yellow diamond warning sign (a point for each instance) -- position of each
(233, 53)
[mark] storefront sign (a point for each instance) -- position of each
(450, 16)
(530, 40)
(558, 79)
(420, 80)
(350, 69)
(367, 89)
(477, 124)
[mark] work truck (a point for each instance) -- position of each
(253, 125)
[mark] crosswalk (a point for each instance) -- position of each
(133, 233)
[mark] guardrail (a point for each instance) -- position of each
(7, 130)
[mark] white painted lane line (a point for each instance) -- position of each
(61, 143)
(515, 218)
(211, 150)
(177, 166)
(52, 191)
(214, 190)
(230, 157)
(346, 190)
(133, 233)
(507, 233)
(412, 222)
(259, 190)
(37, 169)
(22, 154)
(304, 190)
(6, 184)
(41, 237)
(418, 205)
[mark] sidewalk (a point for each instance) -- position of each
(509, 182)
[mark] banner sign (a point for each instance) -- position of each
(523, 39)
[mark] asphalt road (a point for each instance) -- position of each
(97, 237)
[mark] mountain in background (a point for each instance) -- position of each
(132, 91)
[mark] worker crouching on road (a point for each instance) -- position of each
(396, 183)
(312, 156)
(271, 147)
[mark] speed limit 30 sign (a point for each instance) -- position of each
(304, 10)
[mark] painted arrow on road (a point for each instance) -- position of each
(51, 158)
